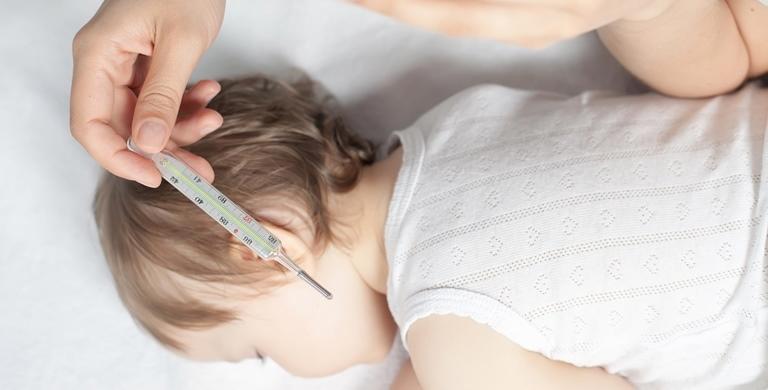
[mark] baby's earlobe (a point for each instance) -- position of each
(240, 252)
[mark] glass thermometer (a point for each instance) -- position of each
(224, 211)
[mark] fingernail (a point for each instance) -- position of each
(213, 126)
(210, 129)
(151, 184)
(151, 136)
(216, 89)
(212, 93)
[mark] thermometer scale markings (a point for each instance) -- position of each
(224, 211)
(173, 170)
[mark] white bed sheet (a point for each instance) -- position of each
(61, 323)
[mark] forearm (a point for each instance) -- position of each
(691, 49)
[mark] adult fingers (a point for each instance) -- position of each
(199, 95)
(174, 56)
(122, 112)
(196, 126)
(110, 150)
(91, 104)
(195, 120)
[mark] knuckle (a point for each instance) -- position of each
(78, 42)
(83, 39)
(75, 129)
(160, 98)
(79, 128)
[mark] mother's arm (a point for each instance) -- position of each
(455, 353)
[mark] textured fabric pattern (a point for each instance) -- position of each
(622, 232)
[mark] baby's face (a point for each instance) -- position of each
(299, 329)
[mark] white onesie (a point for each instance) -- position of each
(627, 232)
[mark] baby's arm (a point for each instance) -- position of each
(406, 379)
(450, 352)
(692, 48)
(752, 19)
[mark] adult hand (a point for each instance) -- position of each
(132, 61)
(527, 23)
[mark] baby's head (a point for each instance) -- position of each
(281, 154)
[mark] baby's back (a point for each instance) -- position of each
(623, 232)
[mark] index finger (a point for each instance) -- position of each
(91, 104)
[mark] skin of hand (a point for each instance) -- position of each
(527, 23)
(132, 62)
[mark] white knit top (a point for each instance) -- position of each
(627, 232)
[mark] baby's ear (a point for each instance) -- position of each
(240, 252)
(294, 245)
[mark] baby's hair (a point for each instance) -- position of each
(282, 146)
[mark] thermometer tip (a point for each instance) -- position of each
(327, 294)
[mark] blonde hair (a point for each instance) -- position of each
(281, 146)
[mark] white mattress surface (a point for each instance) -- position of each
(61, 323)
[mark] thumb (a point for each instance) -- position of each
(157, 106)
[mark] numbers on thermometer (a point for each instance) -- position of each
(223, 221)
(222, 199)
(247, 240)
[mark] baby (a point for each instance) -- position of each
(285, 157)
(512, 237)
